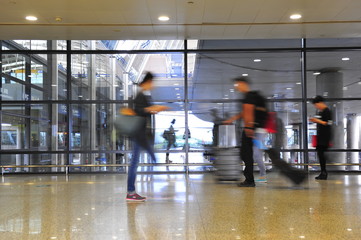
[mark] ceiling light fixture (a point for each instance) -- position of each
(345, 59)
(316, 73)
(31, 18)
(163, 18)
(288, 88)
(295, 16)
(257, 60)
(298, 83)
(245, 74)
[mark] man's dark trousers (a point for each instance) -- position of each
(247, 157)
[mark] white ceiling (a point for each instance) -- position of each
(189, 19)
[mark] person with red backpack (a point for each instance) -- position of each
(254, 115)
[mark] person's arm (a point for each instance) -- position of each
(248, 119)
(326, 118)
(143, 107)
(233, 118)
(319, 121)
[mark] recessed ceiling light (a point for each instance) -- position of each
(345, 59)
(298, 83)
(288, 88)
(257, 60)
(296, 16)
(316, 73)
(245, 74)
(31, 18)
(163, 18)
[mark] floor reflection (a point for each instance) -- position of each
(83, 206)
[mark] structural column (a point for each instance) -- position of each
(353, 140)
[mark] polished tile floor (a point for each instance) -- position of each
(178, 207)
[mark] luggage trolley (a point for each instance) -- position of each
(227, 154)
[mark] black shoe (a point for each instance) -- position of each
(246, 184)
(322, 176)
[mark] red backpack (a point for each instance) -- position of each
(271, 122)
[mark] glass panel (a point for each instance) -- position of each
(12, 128)
(333, 74)
(345, 131)
(81, 45)
(61, 44)
(276, 74)
(246, 44)
(170, 136)
(47, 127)
(333, 42)
(83, 127)
(79, 160)
(337, 161)
(22, 160)
(127, 45)
(115, 77)
(13, 77)
(31, 44)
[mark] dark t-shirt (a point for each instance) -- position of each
(324, 131)
(140, 102)
(255, 98)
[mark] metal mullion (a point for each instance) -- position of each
(1, 85)
(185, 54)
(27, 106)
(68, 106)
(304, 102)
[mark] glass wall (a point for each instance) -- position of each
(58, 106)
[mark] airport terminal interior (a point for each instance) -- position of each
(64, 164)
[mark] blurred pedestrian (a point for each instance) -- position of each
(169, 136)
(254, 113)
(142, 107)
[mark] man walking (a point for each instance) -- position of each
(254, 114)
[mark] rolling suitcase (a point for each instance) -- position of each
(297, 176)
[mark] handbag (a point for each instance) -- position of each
(129, 125)
(314, 141)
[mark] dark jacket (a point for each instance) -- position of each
(140, 102)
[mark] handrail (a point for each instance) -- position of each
(156, 164)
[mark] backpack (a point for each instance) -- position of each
(263, 118)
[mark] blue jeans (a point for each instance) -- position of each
(258, 153)
(132, 173)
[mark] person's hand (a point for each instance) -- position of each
(127, 111)
(157, 108)
(249, 132)
(313, 120)
(227, 122)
